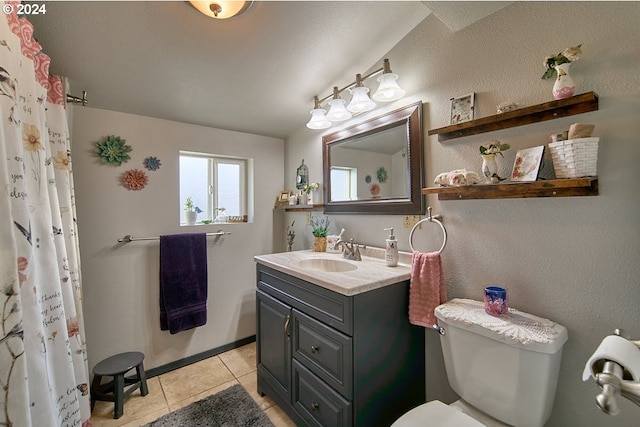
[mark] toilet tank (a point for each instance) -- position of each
(507, 367)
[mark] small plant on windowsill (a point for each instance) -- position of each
(191, 211)
(188, 204)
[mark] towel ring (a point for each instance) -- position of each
(429, 219)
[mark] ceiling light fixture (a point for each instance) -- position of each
(221, 9)
(388, 91)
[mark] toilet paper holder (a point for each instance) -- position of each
(614, 382)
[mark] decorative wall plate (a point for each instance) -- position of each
(462, 109)
(113, 150)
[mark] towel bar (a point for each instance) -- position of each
(129, 238)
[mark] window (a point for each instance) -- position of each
(214, 182)
(344, 182)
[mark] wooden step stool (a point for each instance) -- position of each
(113, 391)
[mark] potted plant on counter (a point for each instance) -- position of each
(320, 229)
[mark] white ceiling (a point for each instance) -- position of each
(256, 73)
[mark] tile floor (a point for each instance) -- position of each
(179, 388)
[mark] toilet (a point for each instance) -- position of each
(505, 369)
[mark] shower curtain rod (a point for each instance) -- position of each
(129, 238)
(77, 100)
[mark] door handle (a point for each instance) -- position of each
(286, 327)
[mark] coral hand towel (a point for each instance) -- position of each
(427, 290)
(183, 281)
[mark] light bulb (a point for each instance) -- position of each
(337, 111)
(389, 90)
(360, 101)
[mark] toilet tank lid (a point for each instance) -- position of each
(517, 328)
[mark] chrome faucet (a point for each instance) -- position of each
(350, 249)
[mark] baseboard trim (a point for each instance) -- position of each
(154, 372)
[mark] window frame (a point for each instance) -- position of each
(213, 193)
(352, 174)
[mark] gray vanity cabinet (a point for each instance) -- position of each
(334, 360)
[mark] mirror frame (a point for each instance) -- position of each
(409, 116)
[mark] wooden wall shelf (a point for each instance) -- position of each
(537, 113)
(301, 208)
(513, 190)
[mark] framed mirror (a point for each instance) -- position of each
(376, 167)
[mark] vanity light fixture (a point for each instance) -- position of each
(221, 9)
(388, 91)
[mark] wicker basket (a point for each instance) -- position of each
(575, 158)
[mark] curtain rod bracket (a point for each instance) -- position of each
(77, 100)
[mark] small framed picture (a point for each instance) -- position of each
(462, 109)
(283, 197)
(527, 164)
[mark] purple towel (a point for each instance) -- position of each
(183, 281)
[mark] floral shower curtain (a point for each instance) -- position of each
(43, 366)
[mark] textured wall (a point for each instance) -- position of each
(573, 260)
(120, 282)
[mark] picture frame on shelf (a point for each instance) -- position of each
(462, 108)
(283, 197)
(526, 166)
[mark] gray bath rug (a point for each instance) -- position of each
(232, 407)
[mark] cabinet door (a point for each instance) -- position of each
(317, 403)
(274, 343)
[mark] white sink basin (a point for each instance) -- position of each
(327, 265)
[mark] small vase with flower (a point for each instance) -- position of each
(489, 164)
(558, 67)
(308, 191)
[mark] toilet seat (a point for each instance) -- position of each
(435, 414)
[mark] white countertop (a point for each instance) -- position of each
(372, 271)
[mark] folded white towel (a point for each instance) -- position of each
(457, 177)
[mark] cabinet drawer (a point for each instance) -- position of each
(316, 402)
(327, 306)
(325, 351)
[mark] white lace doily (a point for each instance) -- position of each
(522, 327)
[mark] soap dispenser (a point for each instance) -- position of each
(391, 249)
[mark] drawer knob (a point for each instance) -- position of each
(314, 407)
(314, 348)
